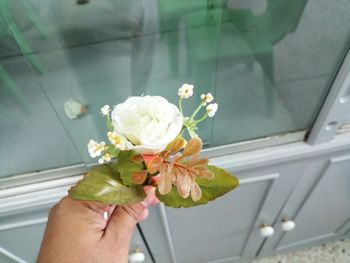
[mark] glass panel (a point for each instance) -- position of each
(269, 64)
(32, 137)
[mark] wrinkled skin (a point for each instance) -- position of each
(77, 231)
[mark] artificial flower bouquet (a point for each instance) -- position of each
(147, 148)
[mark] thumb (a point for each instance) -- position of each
(123, 220)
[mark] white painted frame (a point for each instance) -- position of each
(336, 108)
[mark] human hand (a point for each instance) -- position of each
(78, 232)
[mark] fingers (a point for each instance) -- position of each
(110, 211)
(90, 216)
(68, 203)
(144, 215)
(123, 221)
(151, 198)
(124, 218)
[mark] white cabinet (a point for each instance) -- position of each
(309, 186)
(322, 213)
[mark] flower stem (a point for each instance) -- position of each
(180, 105)
(197, 110)
(182, 130)
(202, 118)
(109, 123)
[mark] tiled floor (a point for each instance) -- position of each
(338, 252)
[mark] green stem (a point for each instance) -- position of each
(202, 118)
(180, 105)
(197, 110)
(182, 131)
(109, 123)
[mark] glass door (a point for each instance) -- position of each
(269, 65)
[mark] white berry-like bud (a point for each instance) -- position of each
(105, 110)
(207, 97)
(95, 149)
(185, 91)
(211, 109)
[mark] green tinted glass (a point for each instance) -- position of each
(269, 65)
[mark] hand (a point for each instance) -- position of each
(77, 231)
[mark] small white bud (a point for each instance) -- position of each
(211, 109)
(206, 98)
(185, 91)
(105, 110)
(95, 149)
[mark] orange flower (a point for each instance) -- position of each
(181, 170)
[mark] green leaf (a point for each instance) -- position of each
(222, 183)
(126, 167)
(104, 185)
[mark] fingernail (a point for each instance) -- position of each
(105, 215)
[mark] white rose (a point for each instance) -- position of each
(150, 123)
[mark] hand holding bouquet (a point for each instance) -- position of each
(147, 148)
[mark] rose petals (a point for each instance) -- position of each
(150, 123)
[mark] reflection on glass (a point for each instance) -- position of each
(268, 63)
(12, 15)
(9, 28)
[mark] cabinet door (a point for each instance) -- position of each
(323, 214)
(226, 230)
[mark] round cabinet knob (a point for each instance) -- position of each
(137, 256)
(266, 230)
(287, 225)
